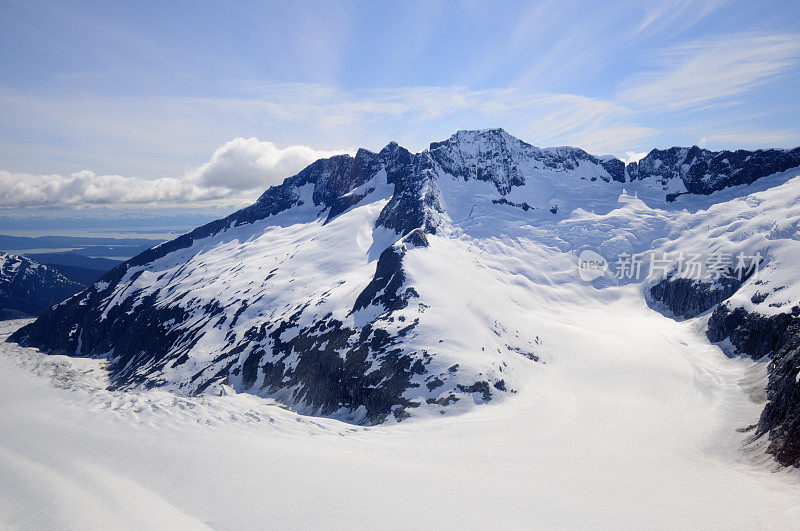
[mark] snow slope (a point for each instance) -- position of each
(633, 424)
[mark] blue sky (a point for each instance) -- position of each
(110, 107)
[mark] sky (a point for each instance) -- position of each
(142, 110)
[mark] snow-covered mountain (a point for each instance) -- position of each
(28, 288)
(392, 284)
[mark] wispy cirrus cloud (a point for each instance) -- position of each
(597, 125)
(674, 14)
(708, 72)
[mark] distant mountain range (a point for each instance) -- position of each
(76, 267)
(27, 288)
(86, 259)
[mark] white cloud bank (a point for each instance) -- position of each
(249, 163)
(241, 168)
(87, 188)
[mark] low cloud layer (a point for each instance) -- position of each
(241, 168)
(87, 188)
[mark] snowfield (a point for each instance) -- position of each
(634, 424)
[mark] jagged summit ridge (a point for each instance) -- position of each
(699, 171)
(496, 156)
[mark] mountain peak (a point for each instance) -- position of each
(390, 147)
(464, 137)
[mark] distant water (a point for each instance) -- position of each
(160, 233)
(119, 250)
(40, 250)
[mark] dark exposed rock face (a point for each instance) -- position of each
(757, 336)
(687, 298)
(28, 288)
(493, 159)
(777, 336)
(703, 171)
(386, 287)
(781, 416)
(774, 337)
(329, 381)
(615, 168)
(752, 334)
(414, 202)
(330, 376)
